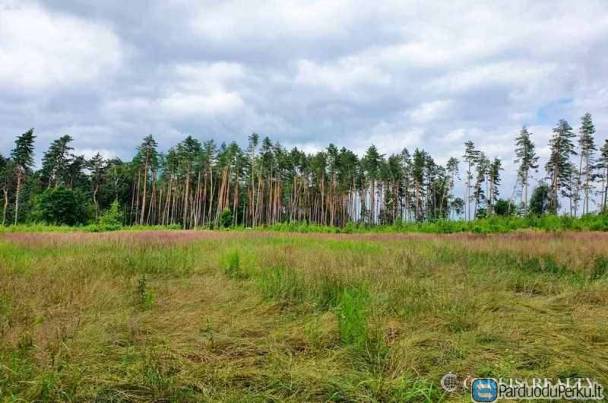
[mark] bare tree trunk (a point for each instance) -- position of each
(18, 193)
(4, 207)
(143, 197)
(95, 203)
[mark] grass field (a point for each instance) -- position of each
(254, 316)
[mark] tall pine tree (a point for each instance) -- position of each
(23, 158)
(586, 171)
(559, 168)
(603, 167)
(528, 160)
(471, 157)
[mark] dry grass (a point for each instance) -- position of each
(191, 316)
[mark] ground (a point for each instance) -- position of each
(253, 316)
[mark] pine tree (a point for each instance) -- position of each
(55, 162)
(559, 168)
(23, 158)
(146, 160)
(452, 170)
(254, 139)
(471, 157)
(480, 194)
(371, 164)
(6, 170)
(494, 182)
(187, 152)
(74, 177)
(603, 167)
(526, 157)
(586, 171)
(97, 167)
(419, 165)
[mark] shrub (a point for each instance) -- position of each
(539, 202)
(504, 207)
(112, 218)
(61, 206)
(226, 218)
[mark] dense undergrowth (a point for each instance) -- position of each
(496, 224)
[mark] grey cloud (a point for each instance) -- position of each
(400, 74)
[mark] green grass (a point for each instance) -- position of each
(234, 316)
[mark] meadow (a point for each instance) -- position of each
(174, 316)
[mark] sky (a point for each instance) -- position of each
(427, 74)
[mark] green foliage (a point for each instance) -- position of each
(61, 206)
(559, 167)
(504, 207)
(23, 153)
(486, 225)
(540, 200)
(267, 183)
(112, 218)
(56, 162)
(226, 218)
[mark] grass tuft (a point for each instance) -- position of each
(145, 296)
(282, 284)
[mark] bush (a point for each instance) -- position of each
(61, 206)
(539, 202)
(226, 218)
(504, 207)
(112, 218)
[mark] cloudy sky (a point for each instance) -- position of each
(428, 74)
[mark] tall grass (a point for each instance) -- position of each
(287, 317)
(353, 312)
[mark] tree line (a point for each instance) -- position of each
(198, 183)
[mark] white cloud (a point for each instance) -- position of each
(231, 21)
(41, 49)
(349, 74)
(429, 111)
(206, 76)
(189, 105)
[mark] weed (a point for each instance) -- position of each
(329, 289)
(352, 313)
(232, 266)
(600, 268)
(145, 297)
